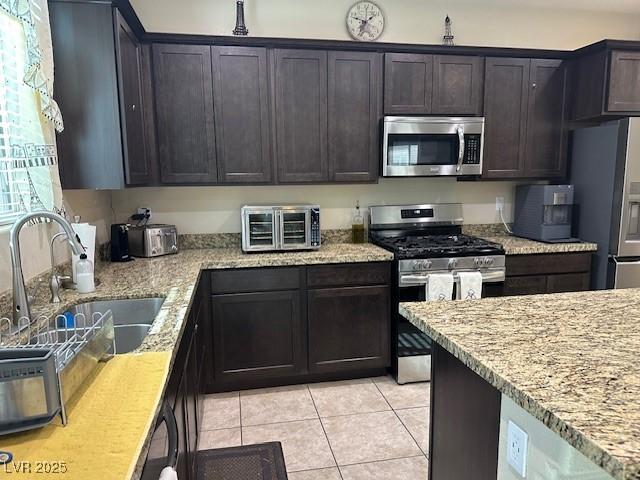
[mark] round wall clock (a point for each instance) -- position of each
(365, 21)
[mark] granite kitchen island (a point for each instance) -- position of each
(567, 362)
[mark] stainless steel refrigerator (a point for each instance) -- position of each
(605, 169)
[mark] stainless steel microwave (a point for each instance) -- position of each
(432, 146)
(280, 227)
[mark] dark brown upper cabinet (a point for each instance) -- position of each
(433, 84)
(624, 82)
(605, 83)
(457, 85)
(408, 83)
(354, 90)
(505, 112)
(241, 104)
(135, 144)
(102, 89)
(184, 113)
(300, 82)
(546, 151)
(524, 118)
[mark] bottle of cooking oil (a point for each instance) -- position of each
(357, 225)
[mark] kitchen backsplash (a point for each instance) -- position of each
(205, 210)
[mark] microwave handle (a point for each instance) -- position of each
(460, 130)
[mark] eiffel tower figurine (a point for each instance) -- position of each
(35, 201)
(447, 39)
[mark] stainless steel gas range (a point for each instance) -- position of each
(428, 239)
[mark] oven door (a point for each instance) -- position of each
(432, 146)
(259, 229)
(294, 226)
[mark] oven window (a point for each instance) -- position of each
(261, 229)
(422, 149)
(294, 228)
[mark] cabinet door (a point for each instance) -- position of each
(506, 96)
(408, 83)
(257, 335)
(624, 82)
(90, 147)
(529, 285)
(179, 410)
(348, 328)
(301, 115)
(240, 89)
(184, 108)
(354, 114)
(457, 85)
(546, 135)
(191, 403)
(129, 62)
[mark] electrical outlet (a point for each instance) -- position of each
(144, 211)
(499, 203)
(517, 440)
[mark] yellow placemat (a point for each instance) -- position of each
(108, 424)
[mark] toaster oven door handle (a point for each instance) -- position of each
(460, 130)
(278, 228)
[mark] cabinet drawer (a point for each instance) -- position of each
(255, 280)
(545, 264)
(349, 274)
(570, 282)
(529, 285)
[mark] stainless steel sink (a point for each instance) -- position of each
(132, 318)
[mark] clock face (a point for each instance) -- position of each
(365, 21)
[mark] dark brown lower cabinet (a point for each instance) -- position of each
(348, 328)
(283, 325)
(257, 335)
(183, 397)
(465, 421)
(547, 273)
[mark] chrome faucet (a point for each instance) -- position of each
(20, 300)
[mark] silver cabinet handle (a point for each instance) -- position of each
(460, 130)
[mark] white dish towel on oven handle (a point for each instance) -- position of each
(470, 286)
(439, 287)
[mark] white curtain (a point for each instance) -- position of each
(29, 116)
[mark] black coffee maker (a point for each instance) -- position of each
(120, 243)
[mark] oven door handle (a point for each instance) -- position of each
(460, 130)
(490, 276)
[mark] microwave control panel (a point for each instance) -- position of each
(471, 150)
(315, 227)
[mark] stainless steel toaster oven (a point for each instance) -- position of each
(280, 227)
(153, 240)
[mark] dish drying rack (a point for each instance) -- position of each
(44, 366)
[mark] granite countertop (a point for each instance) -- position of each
(523, 246)
(175, 277)
(570, 360)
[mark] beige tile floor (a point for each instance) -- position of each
(370, 428)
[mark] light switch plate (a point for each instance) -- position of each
(517, 440)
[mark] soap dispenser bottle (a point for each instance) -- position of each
(85, 282)
(357, 225)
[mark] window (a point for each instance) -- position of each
(27, 148)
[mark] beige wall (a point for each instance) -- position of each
(512, 23)
(217, 209)
(93, 207)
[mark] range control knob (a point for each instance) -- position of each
(452, 263)
(421, 264)
(488, 261)
(478, 262)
